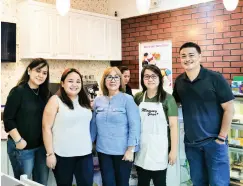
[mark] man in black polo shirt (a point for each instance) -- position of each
(207, 105)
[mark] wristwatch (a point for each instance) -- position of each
(47, 155)
(221, 139)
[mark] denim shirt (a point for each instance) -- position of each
(115, 124)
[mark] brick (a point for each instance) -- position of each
(140, 19)
(165, 25)
(236, 27)
(152, 17)
(163, 15)
(237, 64)
(168, 30)
(132, 44)
(131, 67)
(219, 6)
(222, 29)
(157, 21)
(214, 47)
(152, 27)
(231, 70)
(124, 62)
(129, 30)
(207, 53)
(237, 16)
(241, 45)
(231, 34)
(176, 23)
(237, 40)
(129, 48)
(125, 44)
(169, 19)
(176, 65)
(190, 22)
(216, 69)
(129, 58)
(130, 39)
(152, 37)
(221, 64)
(205, 8)
(132, 20)
(125, 35)
(242, 31)
(177, 13)
(212, 59)
(206, 31)
(134, 25)
(182, 28)
(140, 38)
(231, 46)
(134, 34)
(237, 52)
(189, 11)
(226, 76)
(184, 17)
(207, 65)
(215, 13)
(214, 36)
(157, 31)
(135, 62)
(232, 22)
(221, 53)
(205, 42)
(145, 33)
(139, 29)
(163, 36)
(145, 23)
(222, 18)
(205, 20)
(125, 27)
(125, 53)
(134, 53)
(199, 15)
(221, 41)
(231, 58)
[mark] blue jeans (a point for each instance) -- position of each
(29, 162)
(114, 170)
(80, 166)
(209, 164)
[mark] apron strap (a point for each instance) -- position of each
(144, 96)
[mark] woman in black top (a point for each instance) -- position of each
(23, 121)
(126, 77)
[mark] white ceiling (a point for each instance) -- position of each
(127, 8)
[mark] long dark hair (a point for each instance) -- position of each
(43, 88)
(83, 98)
(161, 93)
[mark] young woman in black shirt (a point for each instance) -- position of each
(126, 77)
(23, 121)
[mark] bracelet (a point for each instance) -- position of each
(221, 139)
(18, 141)
(47, 155)
(222, 136)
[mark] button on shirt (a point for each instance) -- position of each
(115, 124)
(201, 101)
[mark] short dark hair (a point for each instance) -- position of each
(160, 92)
(191, 45)
(145, 54)
(83, 98)
(44, 88)
(123, 69)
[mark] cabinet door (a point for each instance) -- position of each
(41, 41)
(114, 39)
(80, 36)
(63, 37)
(97, 38)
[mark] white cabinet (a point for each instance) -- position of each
(77, 36)
(114, 39)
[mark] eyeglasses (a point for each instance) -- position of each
(147, 77)
(110, 78)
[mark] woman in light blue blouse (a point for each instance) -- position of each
(116, 128)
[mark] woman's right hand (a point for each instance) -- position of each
(51, 161)
(21, 145)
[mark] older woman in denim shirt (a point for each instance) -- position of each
(116, 128)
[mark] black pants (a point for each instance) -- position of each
(79, 166)
(114, 170)
(144, 177)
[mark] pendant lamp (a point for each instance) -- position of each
(230, 5)
(63, 6)
(143, 6)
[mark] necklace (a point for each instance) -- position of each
(36, 93)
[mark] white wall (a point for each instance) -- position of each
(127, 8)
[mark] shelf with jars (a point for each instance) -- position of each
(235, 138)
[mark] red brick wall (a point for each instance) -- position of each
(217, 31)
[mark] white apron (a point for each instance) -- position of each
(153, 153)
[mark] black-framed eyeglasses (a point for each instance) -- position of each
(110, 78)
(147, 77)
